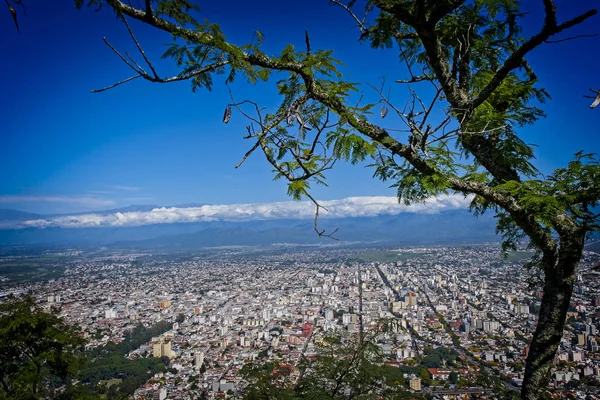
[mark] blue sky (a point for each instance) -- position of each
(64, 149)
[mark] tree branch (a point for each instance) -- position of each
(572, 38)
(116, 84)
(515, 60)
(149, 13)
(137, 44)
(361, 25)
(443, 8)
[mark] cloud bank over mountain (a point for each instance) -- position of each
(369, 206)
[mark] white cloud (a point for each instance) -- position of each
(348, 207)
(78, 200)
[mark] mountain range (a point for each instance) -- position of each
(446, 227)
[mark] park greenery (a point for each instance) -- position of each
(41, 356)
(109, 362)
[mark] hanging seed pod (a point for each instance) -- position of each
(14, 15)
(293, 114)
(227, 114)
(597, 101)
(290, 117)
(384, 111)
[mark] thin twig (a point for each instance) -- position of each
(116, 84)
(361, 25)
(248, 153)
(141, 72)
(320, 232)
(139, 47)
(307, 38)
(572, 38)
(136, 64)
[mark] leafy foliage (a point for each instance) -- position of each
(38, 350)
(341, 368)
(108, 362)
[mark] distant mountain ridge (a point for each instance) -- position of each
(446, 227)
(16, 215)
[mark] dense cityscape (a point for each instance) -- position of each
(455, 320)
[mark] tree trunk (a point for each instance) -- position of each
(558, 287)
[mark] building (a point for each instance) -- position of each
(402, 354)
(162, 349)
(592, 345)
(397, 306)
(576, 356)
(523, 309)
(411, 299)
(266, 315)
(164, 304)
(465, 327)
(415, 384)
(160, 394)
(244, 341)
(329, 315)
(199, 360)
(348, 318)
(439, 374)
(307, 329)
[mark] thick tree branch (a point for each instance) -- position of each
(443, 8)
(515, 60)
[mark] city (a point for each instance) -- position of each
(455, 320)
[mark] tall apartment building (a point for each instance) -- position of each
(162, 349)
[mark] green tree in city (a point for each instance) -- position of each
(38, 351)
(267, 380)
(468, 89)
(342, 368)
(453, 377)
